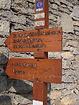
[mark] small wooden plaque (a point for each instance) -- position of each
(45, 70)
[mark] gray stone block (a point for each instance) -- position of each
(5, 14)
(4, 27)
(5, 51)
(18, 99)
(23, 6)
(22, 87)
(4, 99)
(17, 27)
(18, 18)
(75, 13)
(66, 23)
(5, 4)
(3, 59)
(2, 40)
(64, 10)
(54, 6)
(64, 2)
(3, 83)
(70, 75)
(66, 63)
(57, 2)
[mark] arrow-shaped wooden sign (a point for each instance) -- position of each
(35, 40)
(45, 70)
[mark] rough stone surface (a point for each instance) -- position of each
(3, 59)
(75, 13)
(17, 15)
(21, 19)
(5, 4)
(3, 82)
(5, 99)
(66, 23)
(4, 27)
(5, 51)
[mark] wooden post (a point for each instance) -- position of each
(40, 88)
(39, 93)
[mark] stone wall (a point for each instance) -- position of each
(18, 15)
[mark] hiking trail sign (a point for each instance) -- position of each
(41, 40)
(35, 69)
(40, 71)
(33, 40)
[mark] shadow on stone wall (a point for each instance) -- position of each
(5, 100)
(22, 88)
(3, 76)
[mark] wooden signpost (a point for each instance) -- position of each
(42, 40)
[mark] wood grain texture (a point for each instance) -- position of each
(45, 70)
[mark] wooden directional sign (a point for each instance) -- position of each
(46, 70)
(33, 40)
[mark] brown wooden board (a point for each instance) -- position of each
(33, 40)
(46, 70)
